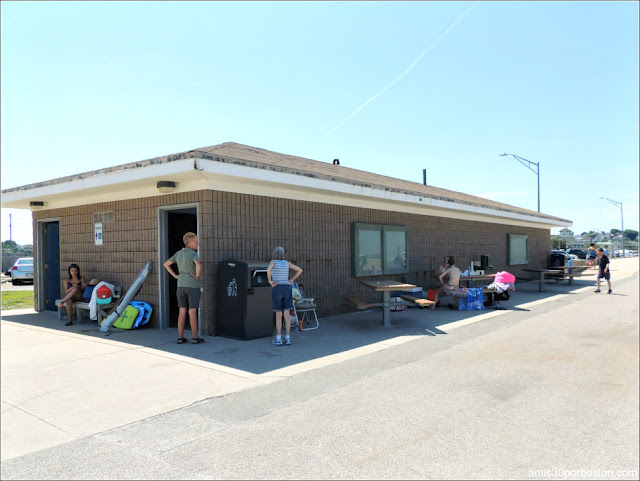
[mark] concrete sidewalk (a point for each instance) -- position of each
(60, 384)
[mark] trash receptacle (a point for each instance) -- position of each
(244, 300)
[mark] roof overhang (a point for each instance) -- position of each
(140, 180)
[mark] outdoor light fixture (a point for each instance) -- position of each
(36, 205)
(528, 166)
(618, 205)
(166, 186)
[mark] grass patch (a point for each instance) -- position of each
(17, 300)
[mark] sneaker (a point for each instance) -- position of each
(277, 342)
(610, 291)
(287, 341)
(597, 290)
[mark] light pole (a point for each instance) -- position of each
(528, 166)
(618, 205)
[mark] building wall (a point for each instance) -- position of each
(317, 237)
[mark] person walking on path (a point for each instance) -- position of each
(188, 291)
(604, 270)
(278, 275)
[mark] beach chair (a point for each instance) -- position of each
(304, 307)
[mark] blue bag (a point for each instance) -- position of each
(144, 314)
(473, 301)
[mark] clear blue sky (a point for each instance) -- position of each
(386, 87)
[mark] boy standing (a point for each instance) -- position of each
(188, 291)
(604, 270)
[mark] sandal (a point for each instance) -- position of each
(69, 323)
(197, 340)
(181, 340)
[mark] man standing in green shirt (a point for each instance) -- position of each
(188, 292)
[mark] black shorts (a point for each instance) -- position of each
(188, 297)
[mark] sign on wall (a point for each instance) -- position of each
(98, 233)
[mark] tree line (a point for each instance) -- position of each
(11, 248)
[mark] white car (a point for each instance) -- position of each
(22, 270)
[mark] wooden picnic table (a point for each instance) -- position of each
(558, 273)
(542, 273)
(469, 279)
(386, 286)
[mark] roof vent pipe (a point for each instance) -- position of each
(424, 176)
(336, 161)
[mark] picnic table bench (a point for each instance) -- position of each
(386, 287)
(559, 274)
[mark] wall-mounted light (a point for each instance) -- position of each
(166, 186)
(36, 205)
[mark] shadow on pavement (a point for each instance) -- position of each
(337, 336)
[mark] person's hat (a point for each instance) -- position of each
(94, 282)
(103, 295)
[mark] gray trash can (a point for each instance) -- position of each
(244, 300)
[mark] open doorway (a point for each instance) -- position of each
(48, 259)
(174, 222)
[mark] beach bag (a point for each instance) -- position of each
(103, 295)
(87, 292)
(144, 313)
(127, 318)
(473, 301)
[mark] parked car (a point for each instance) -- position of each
(565, 253)
(581, 253)
(22, 270)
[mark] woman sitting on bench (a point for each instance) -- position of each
(75, 287)
(453, 283)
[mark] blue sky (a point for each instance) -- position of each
(386, 87)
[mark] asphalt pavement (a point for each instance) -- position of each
(550, 383)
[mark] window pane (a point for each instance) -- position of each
(369, 252)
(395, 250)
(518, 249)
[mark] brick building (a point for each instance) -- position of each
(340, 225)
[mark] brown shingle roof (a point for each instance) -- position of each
(231, 152)
(266, 159)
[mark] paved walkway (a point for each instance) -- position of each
(60, 384)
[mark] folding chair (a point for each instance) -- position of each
(305, 306)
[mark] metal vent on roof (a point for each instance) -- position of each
(103, 217)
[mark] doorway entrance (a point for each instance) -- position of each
(48, 265)
(174, 222)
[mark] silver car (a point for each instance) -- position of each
(22, 270)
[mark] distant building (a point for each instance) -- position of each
(566, 233)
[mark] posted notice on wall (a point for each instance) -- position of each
(98, 233)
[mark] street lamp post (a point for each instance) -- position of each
(619, 206)
(528, 166)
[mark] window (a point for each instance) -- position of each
(379, 249)
(517, 249)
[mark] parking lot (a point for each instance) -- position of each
(7, 286)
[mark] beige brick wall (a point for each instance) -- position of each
(317, 237)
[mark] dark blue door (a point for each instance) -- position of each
(52, 263)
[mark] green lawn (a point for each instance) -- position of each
(17, 300)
